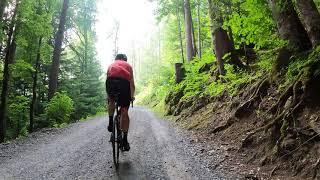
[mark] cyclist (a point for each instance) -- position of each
(120, 81)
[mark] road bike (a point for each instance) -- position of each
(116, 135)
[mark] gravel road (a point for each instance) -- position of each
(82, 151)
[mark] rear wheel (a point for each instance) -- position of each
(118, 139)
(115, 144)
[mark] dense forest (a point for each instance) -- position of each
(244, 72)
(50, 75)
(240, 38)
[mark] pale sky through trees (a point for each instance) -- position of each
(137, 22)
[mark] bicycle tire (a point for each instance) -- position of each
(113, 141)
(119, 138)
(116, 142)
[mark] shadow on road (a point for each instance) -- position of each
(127, 170)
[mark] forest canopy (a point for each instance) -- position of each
(50, 74)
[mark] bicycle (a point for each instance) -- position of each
(116, 134)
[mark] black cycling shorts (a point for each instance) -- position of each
(119, 90)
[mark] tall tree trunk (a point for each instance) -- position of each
(54, 72)
(5, 88)
(199, 30)
(188, 27)
(310, 17)
(221, 47)
(179, 72)
(3, 4)
(9, 59)
(116, 48)
(2, 7)
(86, 42)
(34, 86)
(235, 60)
(86, 50)
(180, 33)
(289, 25)
(194, 42)
(215, 33)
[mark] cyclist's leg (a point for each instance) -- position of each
(125, 119)
(111, 108)
(125, 104)
(124, 125)
(111, 103)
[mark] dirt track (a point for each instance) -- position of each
(82, 151)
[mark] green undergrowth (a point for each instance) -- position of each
(153, 91)
(198, 83)
(301, 61)
(101, 111)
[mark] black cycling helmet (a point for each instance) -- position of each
(121, 57)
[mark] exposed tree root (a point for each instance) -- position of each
(282, 100)
(287, 135)
(273, 171)
(284, 114)
(315, 169)
(252, 158)
(259, 91)
(281, 118)
(265, 128)
(253, 89)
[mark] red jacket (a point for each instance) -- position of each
(120, 69)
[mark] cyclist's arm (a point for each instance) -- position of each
(132, 85)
